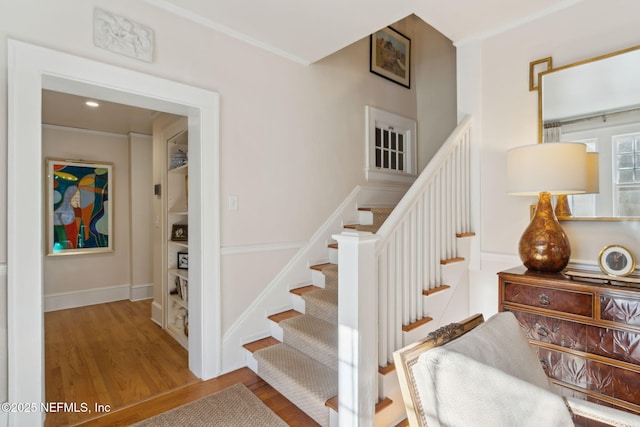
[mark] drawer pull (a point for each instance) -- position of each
(544, 299)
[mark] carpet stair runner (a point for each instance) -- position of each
(304, 366)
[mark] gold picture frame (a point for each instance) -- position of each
(616, 260)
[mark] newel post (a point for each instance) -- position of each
(358, 328)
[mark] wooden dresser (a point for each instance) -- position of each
(587, 335)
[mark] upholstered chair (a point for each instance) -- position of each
(477, 373)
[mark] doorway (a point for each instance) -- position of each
(32, 68)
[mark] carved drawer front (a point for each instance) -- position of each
(549, 298)
(591, 375)
(620, 310)
(603, 341)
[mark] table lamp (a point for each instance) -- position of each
(545, 170)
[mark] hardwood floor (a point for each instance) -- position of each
(113, 354)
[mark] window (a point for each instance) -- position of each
(390, 147)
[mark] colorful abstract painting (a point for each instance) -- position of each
(79, 207)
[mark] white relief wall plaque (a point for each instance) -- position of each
(120, 35)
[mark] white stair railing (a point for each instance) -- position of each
(418, 235)
(409, 248)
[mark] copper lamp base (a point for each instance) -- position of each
(544, 246)
(563, 209)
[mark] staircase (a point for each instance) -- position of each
(300, 359)
(412, 268)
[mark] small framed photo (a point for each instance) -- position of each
(390, 56)
(178, 286)
(183, 260)
(180, 232)
(616, 260)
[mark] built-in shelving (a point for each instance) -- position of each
(177, 215)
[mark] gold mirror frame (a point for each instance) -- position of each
(540, 118)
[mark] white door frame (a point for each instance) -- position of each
(32, 68)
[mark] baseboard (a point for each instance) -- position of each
(140, 292)
(65, 300)
(156, 313)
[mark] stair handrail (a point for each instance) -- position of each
(395, 218)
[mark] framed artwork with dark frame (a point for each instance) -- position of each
(79, 207)
(616, 260)
(183, 260)
(390, 56)
(179, 232)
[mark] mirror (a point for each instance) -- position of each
(597, 102)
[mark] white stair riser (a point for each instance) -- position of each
(451, 273)
(252, 363)
(333, 255)
(317, 278)
(389, 387)
(464, 246)
(365, 217)
(276, 330)
(298, 303)
(333, 418)
(388, 383)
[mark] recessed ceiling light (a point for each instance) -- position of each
(92, 104)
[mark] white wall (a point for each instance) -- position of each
(74, 273)
(71, 281)
(494, 87)
(435, 68)
(292, 136)
(141, 214)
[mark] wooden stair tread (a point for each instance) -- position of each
(416, 324)
(319, 267)
(374, 207)
(451, 260)
(384, 370)
(403, 423)
(279, 317)
(332, 403)
(380, 405)
(436, 289)
(333, 246)
(467, 234)
(304, 289)
(260, 344)
(383, 404)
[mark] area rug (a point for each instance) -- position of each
(232, 407)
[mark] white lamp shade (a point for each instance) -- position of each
(556, 168)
